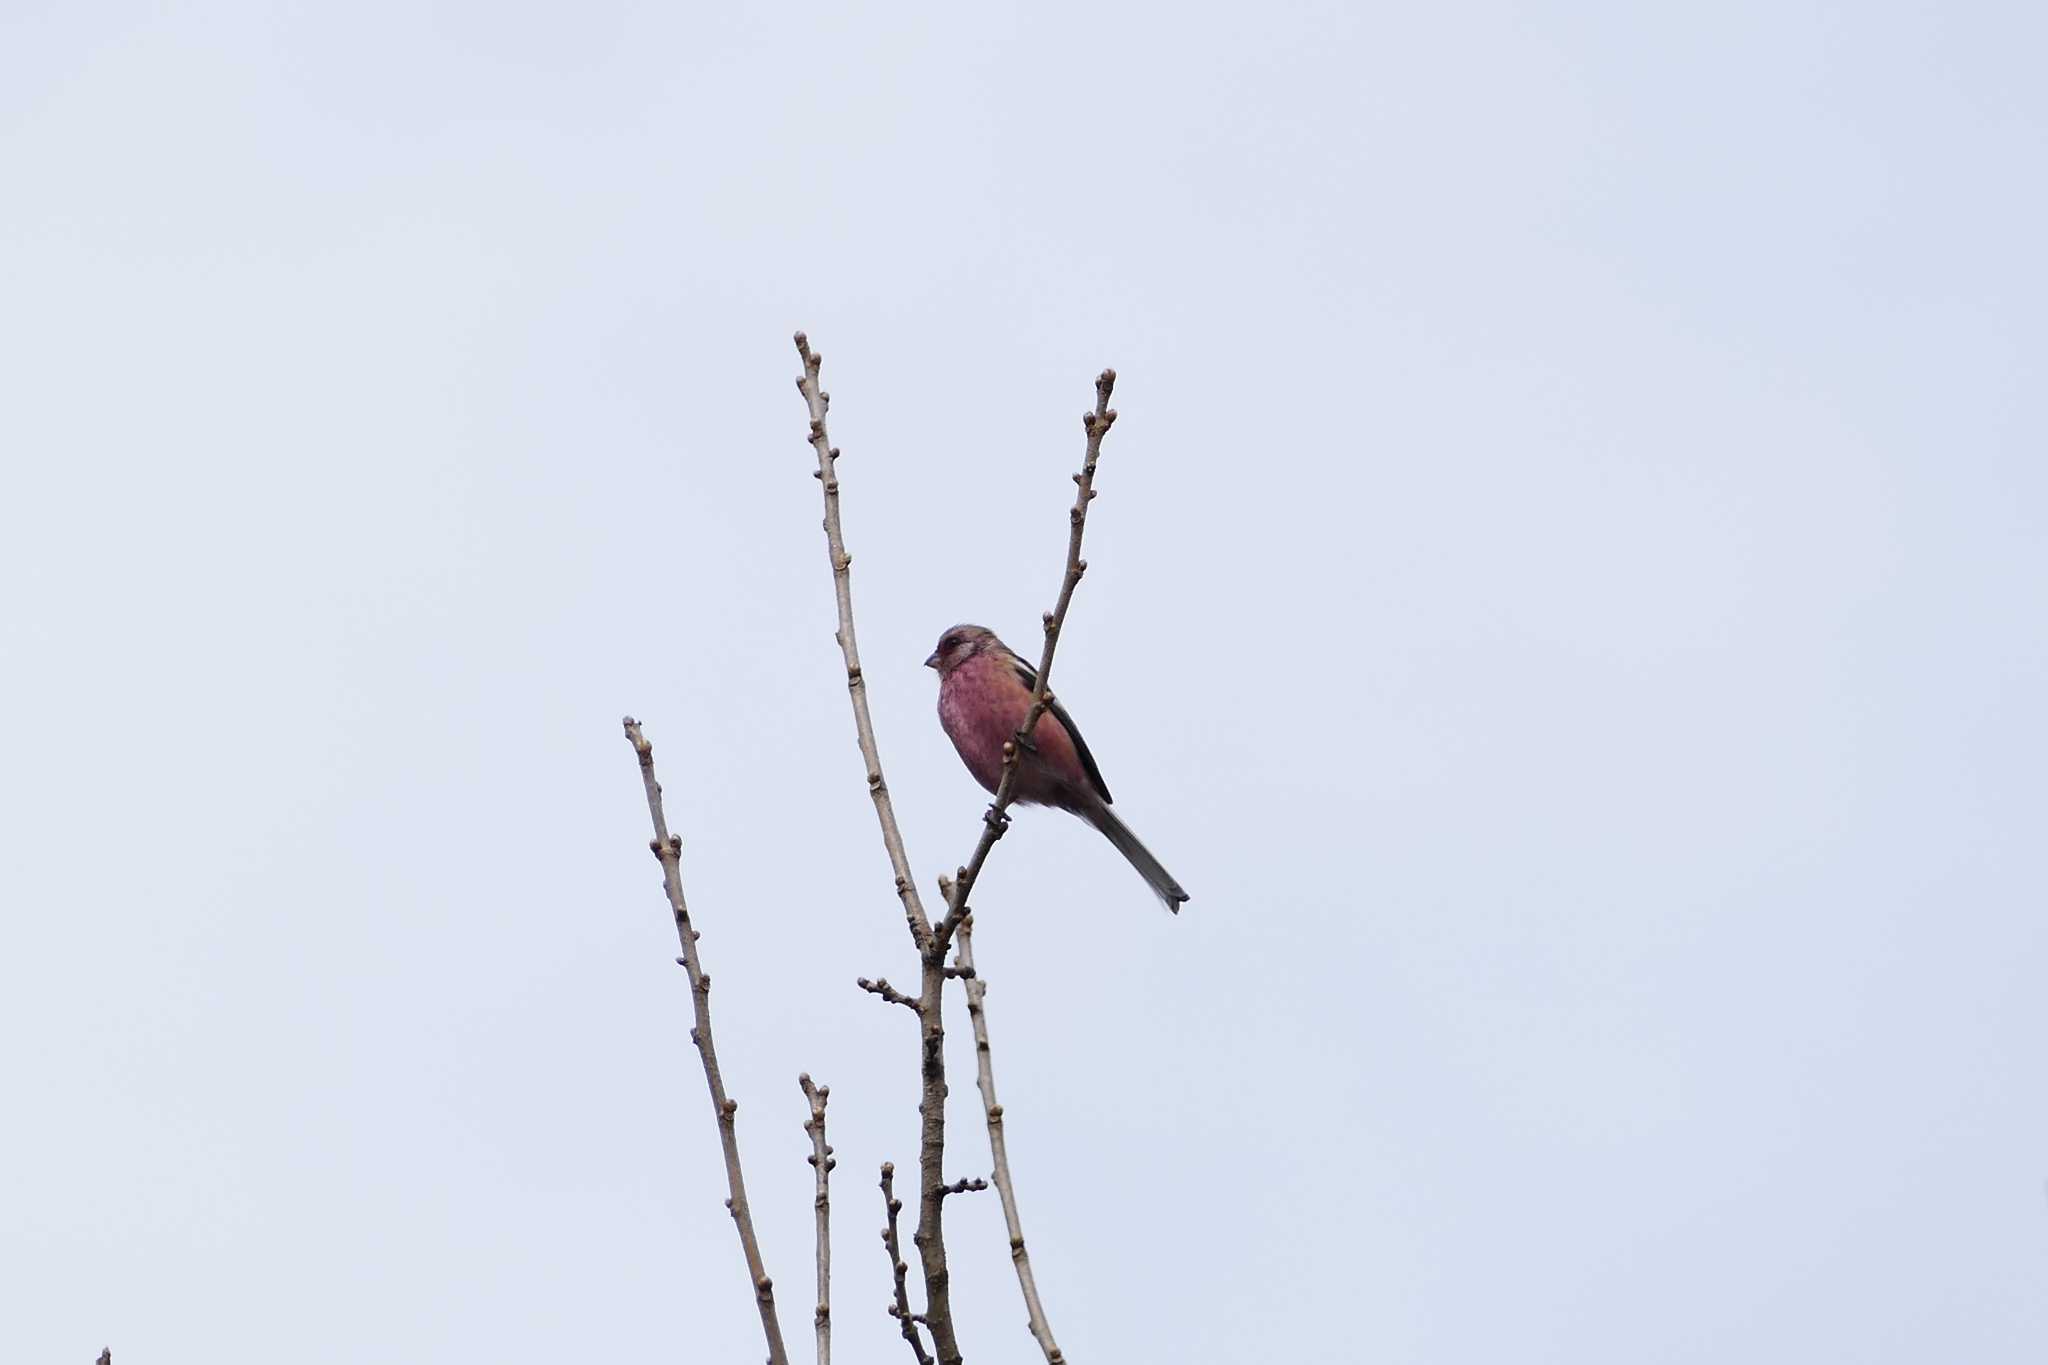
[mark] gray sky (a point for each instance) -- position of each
(1566, 599)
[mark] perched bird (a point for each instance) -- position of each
(985, 692)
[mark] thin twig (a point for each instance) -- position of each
(1096, 424)
(822, 1163)
(999, 1151)
(931, 1149)
(899, 1310)
(888, 993)
(817, 400)
(668, 848)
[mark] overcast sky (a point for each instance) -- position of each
(1566, 598)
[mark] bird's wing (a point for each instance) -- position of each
(1028, 675)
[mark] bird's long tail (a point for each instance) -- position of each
(1157, 877)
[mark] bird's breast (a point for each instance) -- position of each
(982, 705)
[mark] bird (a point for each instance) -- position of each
(985, 691)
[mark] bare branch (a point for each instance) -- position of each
(995, 822)
(999, 1151)
(899, 1310)
(885, 811)
(889, 993)
(958, 922)
(668, 848)
(822, 1163)
(970, 1185)
(1096, 424)
(931, 1152)
(933, 940)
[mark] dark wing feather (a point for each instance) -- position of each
(1029, 677)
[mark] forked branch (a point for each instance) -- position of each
(957, 926)
(932, 940)
(931, 1026)
(1096, 424)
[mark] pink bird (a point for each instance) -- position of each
(985, 692)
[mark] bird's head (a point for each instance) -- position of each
(960, 644)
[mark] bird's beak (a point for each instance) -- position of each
(933, 661)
